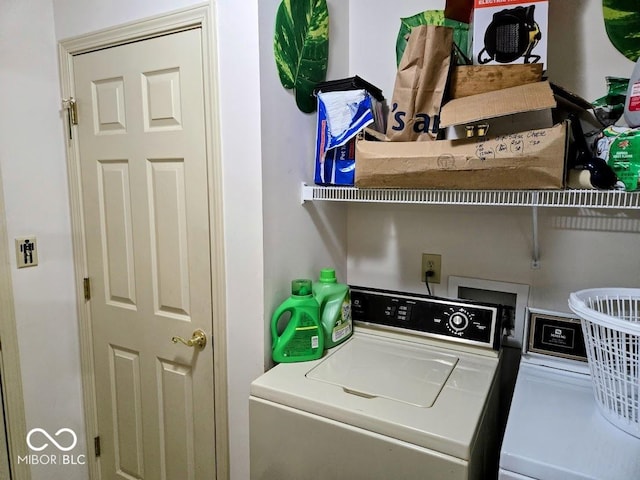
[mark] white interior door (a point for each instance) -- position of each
(142, 152)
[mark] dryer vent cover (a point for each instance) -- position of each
(513, 33)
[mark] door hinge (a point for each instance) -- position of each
(71, 106)
(87, 288)
(96, 445)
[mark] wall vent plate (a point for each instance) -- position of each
(515, 295)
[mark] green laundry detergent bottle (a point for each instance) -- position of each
(335, 307)
(302, 338)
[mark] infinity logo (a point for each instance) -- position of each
(51, 439)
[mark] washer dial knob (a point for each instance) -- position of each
(458, 322)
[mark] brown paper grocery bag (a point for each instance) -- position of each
(420, 84)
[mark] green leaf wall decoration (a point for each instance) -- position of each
(432, 17)
(301, 48)
(622, 24)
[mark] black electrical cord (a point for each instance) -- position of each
(428, 274)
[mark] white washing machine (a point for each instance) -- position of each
(413, 394)
(554, 430)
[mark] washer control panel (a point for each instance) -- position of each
(455, 320)
(557, 335)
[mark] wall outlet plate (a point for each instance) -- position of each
(433, 262)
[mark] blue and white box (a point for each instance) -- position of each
(341, 116)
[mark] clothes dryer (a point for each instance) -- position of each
(554, 429)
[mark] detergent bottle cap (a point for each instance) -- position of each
(301, 287)
(328, 275)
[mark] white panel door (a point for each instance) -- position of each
(144, 190)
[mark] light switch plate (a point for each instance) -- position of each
(26, 251)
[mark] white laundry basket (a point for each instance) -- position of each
(610, 320)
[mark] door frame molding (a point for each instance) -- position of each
(15, 420)
(200, 16)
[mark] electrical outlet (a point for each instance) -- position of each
(432, 262)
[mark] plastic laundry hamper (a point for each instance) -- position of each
(610, 319)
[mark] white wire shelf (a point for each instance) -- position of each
(512, 198)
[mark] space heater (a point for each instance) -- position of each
(512, 33)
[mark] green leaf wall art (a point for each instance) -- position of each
(622, 23)
(432, 17)
(301, 48)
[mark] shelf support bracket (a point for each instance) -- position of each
(306, 193)
(535, 261)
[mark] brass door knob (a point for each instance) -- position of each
(198, 338)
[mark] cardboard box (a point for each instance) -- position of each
(509, 31)
(469, 80)
(519, 161)
(501, 112)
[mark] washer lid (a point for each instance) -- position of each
(398, 378)
(412, 375)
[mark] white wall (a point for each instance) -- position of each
(579, 248)
(243, 164)
(299, 241)
(587, 56)
(33, 166)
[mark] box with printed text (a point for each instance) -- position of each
(342, 114)
(509, 31)
(522, 148)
